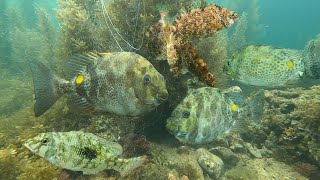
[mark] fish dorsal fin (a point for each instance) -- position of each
(77, 64)
(94, 55)
(294, 57)
(79, 104)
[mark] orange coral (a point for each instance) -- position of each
(176, 39)
(204, 22)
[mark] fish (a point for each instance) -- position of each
(80, 151)
(122, 83)
(205, 114)
(266, 66)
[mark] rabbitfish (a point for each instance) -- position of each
(265, 66)
(122, 83)
(204, 115)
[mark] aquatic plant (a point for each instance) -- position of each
(214, 51)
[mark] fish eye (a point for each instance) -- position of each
(147, 79)
(186, 114)
(44, 140)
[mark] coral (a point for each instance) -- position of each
(290, 124)
(176, 38)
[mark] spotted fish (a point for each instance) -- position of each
(204, 114)
(79, 151)
(265, 66)
(122, 83)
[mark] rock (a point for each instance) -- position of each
(266, 168)
(210, 163)
(229, 158)
(238, 148)
(253, 150)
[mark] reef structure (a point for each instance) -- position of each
(174, 40)
(289, 124)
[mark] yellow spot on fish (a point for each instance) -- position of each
(234, 107)
(79, 79)
(290, 64)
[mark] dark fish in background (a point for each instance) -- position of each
(122, 83)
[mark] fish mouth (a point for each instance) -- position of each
(28, 147)
(162, 96)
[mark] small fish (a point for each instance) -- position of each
(122, 83)
(79, 151)
(265, 66)
(204, 114)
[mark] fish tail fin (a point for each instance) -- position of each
(128, 166)
(47, 87)
(311, 59)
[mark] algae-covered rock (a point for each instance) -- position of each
(166, 159)
(229, 158)
(262, 169)
(210, 163)
(291, 123)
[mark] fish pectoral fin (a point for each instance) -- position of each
(104, 54)
(78, 103)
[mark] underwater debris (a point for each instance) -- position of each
(175, 39)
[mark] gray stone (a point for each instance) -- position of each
(228, 157)
(210, 163)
